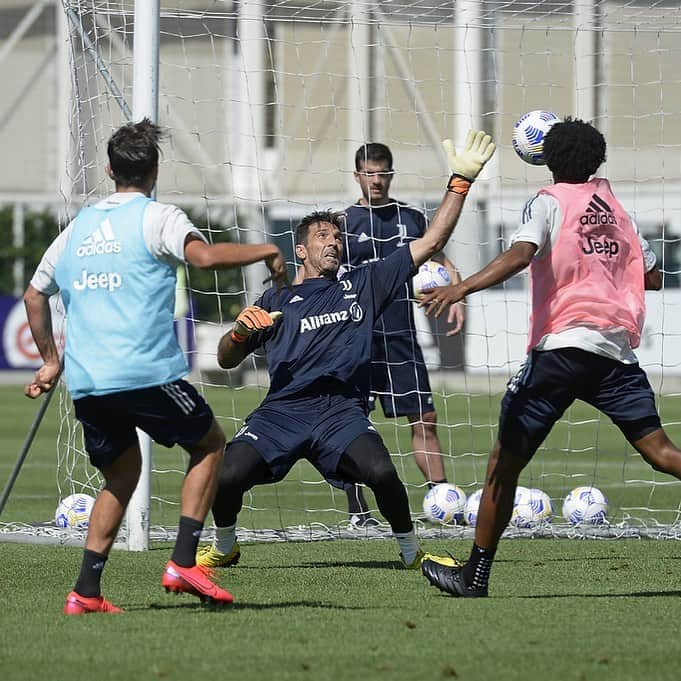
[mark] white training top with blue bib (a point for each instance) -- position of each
(119, 301)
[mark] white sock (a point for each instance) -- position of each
(409, 547)
(225, 538)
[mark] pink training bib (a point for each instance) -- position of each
(594, 274)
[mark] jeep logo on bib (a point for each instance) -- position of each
(94, 280)
(606, 246)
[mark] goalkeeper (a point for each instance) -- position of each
(115, 266)
(319, 361)
(589, 268)
(376, 226)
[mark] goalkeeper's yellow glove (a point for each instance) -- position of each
(250, 320)
(467, 165)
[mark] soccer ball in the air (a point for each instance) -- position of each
(430, 275)
(528, 135)
(470, 513)
(532, 507)
(585, 505)
(444, 504)
(74, 512)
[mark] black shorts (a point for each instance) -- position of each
(399, 378)
(170, 414)
(550, 381)
(316, 427)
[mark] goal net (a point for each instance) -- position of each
(266, 104)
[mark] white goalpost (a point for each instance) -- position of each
(265, 105)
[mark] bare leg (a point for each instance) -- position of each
(496, 503)
(120, 480)
(496, 506)
(200, 482)
(660, 452)
(426, 446)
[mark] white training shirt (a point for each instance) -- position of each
(540, 225)
(165, 231)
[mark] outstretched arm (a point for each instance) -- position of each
(40, 322)
(222, 256)
(504, 266)
(465, 167)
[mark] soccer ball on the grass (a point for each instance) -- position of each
(74, 512)
(470, 513)
(444, 504)
(430, 275)
(585, 505)
(528, 135)
(532, 507)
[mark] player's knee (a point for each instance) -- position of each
(424, 424)
(665, 460)
(382, 475)
(240, 468)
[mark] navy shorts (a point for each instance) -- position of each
(399, 378)
(550, 381)
(315, 427)
(170, 414)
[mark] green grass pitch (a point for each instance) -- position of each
(559, 609)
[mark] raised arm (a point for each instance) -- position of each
(465, 167)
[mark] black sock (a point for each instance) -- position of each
(356, 501)
(90, 577)
(188, 535)
(477, 569)
(432, 483)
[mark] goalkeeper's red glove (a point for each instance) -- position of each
(250, 320)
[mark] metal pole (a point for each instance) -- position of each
(101, 67)
(144, 104)
(585, 19)
(37, 420)
(358, 92)
(21, 28)
(248, 165)
(18, 243)
(468, 97)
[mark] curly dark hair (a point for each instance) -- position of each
(134, 152)
(573, 150)
(303, 227)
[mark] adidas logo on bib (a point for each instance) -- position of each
(101, 241)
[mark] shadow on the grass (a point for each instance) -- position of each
(242, 605)
(632, 594)
(371, 564)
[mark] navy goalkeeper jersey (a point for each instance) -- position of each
(327, 326)
(375, 233)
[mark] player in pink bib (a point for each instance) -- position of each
(589, 268)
